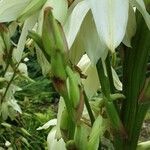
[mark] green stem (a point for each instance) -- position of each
(92, 118)
(110, 108)
(8, 59)
(111, 80)
(109, 72)
(104, 81)
(10, 82)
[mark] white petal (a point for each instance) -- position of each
(74, 21)
(43, 62)
(23, 69)
(28, 25)
(61, 107)
(93, 45)
(88, 41)
(52, 122)
(14, 105)
(60, 8)
(52, 143)
(141, 7)
(111, 18)
(117, 82)
(131, 28)
(10, 9)
(91, 83)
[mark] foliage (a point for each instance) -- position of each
(79, 46)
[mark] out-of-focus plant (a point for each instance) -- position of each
(17, 89)
(76, 44)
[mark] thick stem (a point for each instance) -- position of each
(110, 107)
(92, 118)
(134, 69)
(109, 72)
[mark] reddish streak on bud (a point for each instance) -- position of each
(59, 85)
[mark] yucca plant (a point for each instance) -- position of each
(78, 44)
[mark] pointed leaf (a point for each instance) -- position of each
(81, 136)
(96, 133)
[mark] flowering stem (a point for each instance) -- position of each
(92, 118)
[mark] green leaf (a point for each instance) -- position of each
(96, 133)
(23, 130)
(59, 11)
(73, 87)
(10, 9)
(81, 136)
(111, 18)
(4, 112)
(36, 38)
(7, 125)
